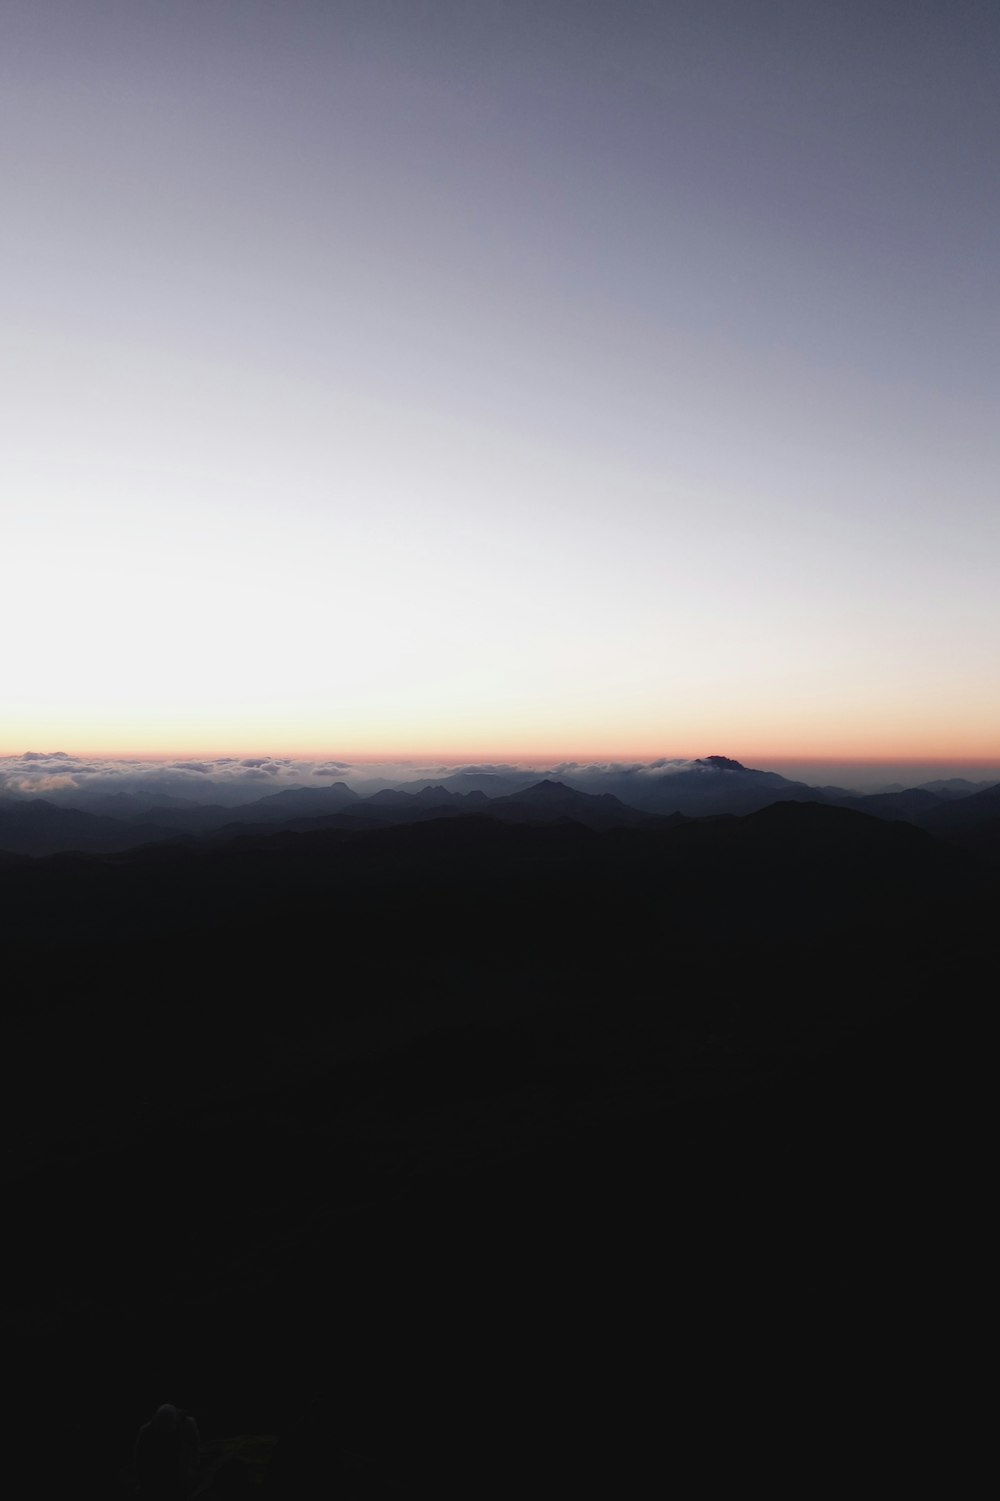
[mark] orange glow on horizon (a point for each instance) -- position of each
(757, 728)
(845, 752)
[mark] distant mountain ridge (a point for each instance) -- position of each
(807, 865)
(597, 797)
(549, 799)
(711, 785)
(297, 802)
(33, 826)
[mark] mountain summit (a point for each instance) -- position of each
(550, 799)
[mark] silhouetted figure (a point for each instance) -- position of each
(166, 1454)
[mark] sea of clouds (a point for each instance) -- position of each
(79, 781)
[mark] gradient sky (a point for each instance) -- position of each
(415, 376)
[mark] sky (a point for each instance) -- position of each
(409, 378)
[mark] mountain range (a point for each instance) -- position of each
(715, 786)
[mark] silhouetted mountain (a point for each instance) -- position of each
(33, 826)
(395, 805)
(971, 821)
(393, 797)
(434, 797)
(408, 801)
(548, 800)
(129, 805)
(297, 802)
(909, 805)
(786, 865)
(955, 786)
(196, 818)
(492, 783)
(919, 805)
(713, 785)
(275, 808)
(957, 815)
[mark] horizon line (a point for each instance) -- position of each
(495, 755)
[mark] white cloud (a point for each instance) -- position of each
(229, 780)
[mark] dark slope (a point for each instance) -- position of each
(40, 828)
(971, 822)
(712, 867)
(275, 808)
(37, 827)
(955, 786)
(33, 826)
(137, 806)
(911, 805)
(543, 802)
(490, 783)
(396, 805)
(548, 800)
(297, 802)
(195, 818)
(537, 1154)
(964, 813)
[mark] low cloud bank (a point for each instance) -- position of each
(230, 780)
(132, 788)
(80, 782)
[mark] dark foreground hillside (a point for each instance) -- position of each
(488, 1159)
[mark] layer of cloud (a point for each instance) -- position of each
(231, 780)
(662, 767)
(227, 779)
